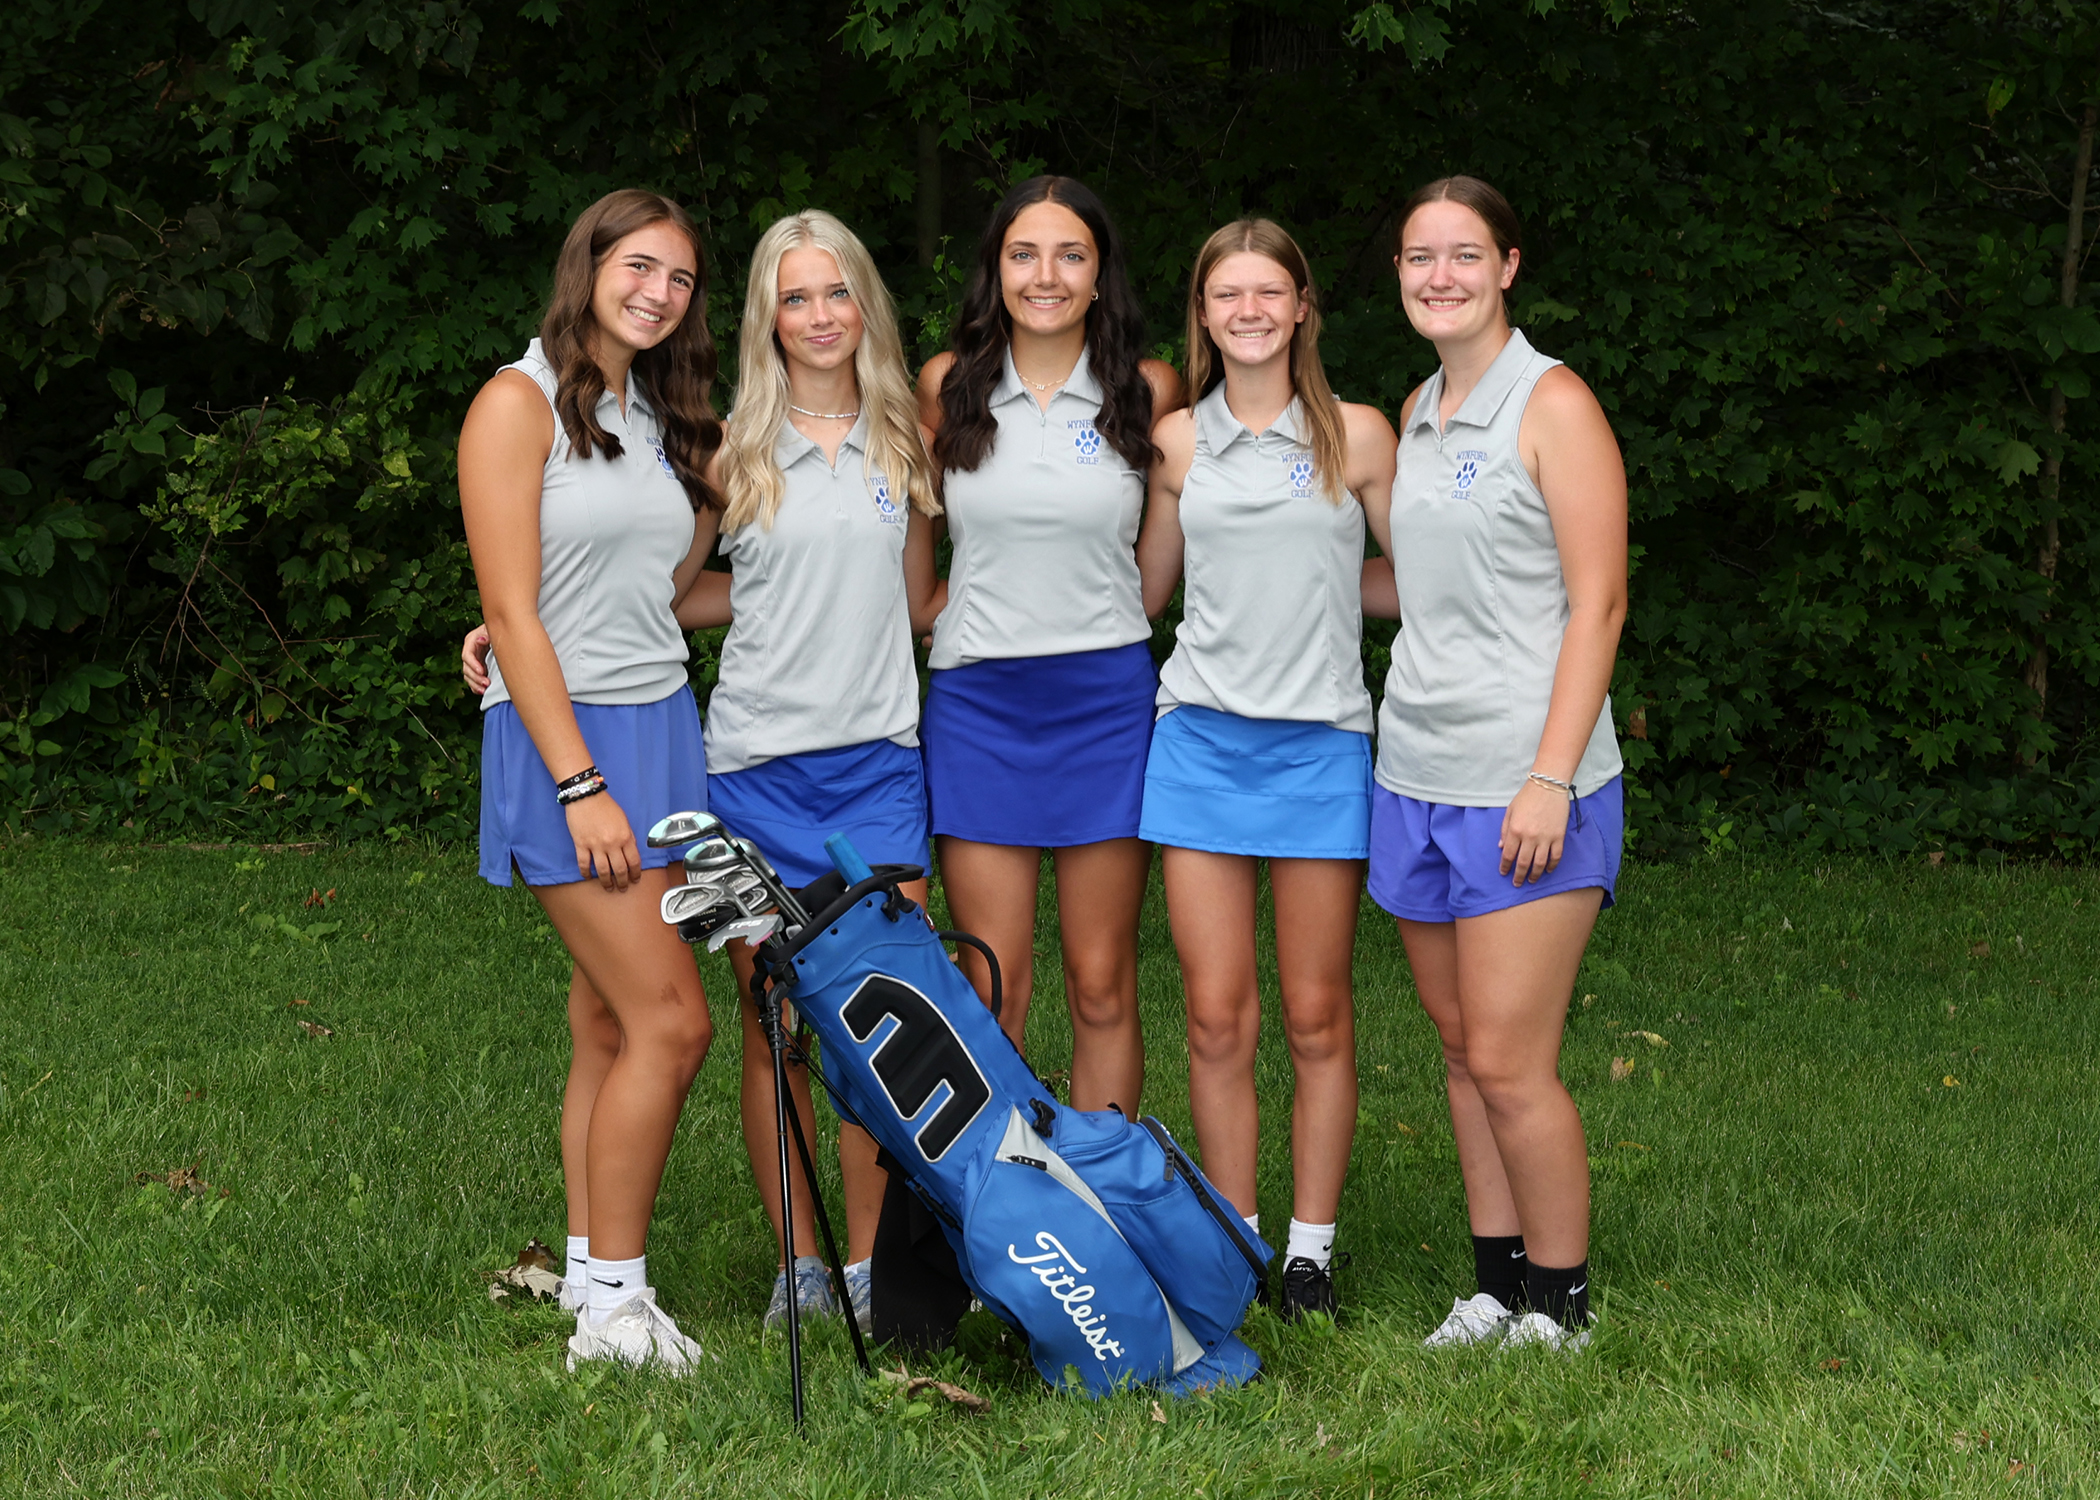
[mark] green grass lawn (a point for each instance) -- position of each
(1845, 1235)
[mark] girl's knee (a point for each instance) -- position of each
(1102, 1009)
(1222, 1036)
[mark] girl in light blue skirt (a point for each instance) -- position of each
(1263, 745)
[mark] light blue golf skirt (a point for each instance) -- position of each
(1274, 788)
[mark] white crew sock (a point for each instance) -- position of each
(613, 1282)
(1253, 1223)
(574, 1264)
(1313, 1242)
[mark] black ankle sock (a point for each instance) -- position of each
(1562, 1295)
(1499, 1263)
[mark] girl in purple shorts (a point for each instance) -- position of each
(1496, 812)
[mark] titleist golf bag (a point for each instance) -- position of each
(1094, 1235)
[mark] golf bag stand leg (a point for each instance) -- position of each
(767, 998)
(833, 1261)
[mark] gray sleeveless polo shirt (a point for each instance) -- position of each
(1272, 601)
(612, 532)
(818, 655)
(1483, 605)
(1045, 533)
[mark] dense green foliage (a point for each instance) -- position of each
(1871, 1274)
(256, 256)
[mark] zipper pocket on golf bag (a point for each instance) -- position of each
(1039, 1244)
(1170, 1216)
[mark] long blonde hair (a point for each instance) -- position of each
(1329, 438)
(753, 486)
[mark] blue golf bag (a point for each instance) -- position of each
(1094, 1235)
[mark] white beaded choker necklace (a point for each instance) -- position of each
(824, 416)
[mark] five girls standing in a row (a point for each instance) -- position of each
(1079, 488)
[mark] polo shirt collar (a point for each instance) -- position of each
(1220, 429)
(1080, 383)
(1486, 398)
(791, 446)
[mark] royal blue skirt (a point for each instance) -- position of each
(654, 765)
(875, 794)
(1043, 752)
(1275, 788)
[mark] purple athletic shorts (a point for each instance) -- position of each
(1432, 862)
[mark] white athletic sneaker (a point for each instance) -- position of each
(638, 1333)
(575, 1295)
(1536, 1330)
(1478, 1319)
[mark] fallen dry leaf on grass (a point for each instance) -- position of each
(1650, 1038)
(1158, 1414)
(184, 1180)
(319, 898)
(1979, 950)
(531, 1272)
(315, 1028)
(1621, 1070)
(915, 1384)
(290, 1003)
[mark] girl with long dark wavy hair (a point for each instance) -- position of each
(1262, 496)
(581, 479)
(1040, 711)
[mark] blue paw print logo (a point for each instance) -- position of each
(1469, 462)
(1086, 442)
(663, 459)
(885, 504)
(1301, 474)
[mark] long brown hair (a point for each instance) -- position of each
(1115, 336)
(677, 376)
(1328, 438)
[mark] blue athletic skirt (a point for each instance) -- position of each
(875, 794)
(1040, 751)
(1276, 788)
(654, 765)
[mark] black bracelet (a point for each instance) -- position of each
(589, 788)
(586, 774)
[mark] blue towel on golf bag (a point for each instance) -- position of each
(1093, 1234)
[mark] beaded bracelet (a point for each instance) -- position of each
(577, 792)
(1566, 787)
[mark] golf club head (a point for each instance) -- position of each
(710, 857)
(683, 903)
(684, 828)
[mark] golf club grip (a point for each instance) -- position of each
(991, 960)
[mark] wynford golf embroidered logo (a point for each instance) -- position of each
(663, 459)
(1469, 462)
(1054, 1268)
(885, 505)
(1086, 441)
(1301, 475)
